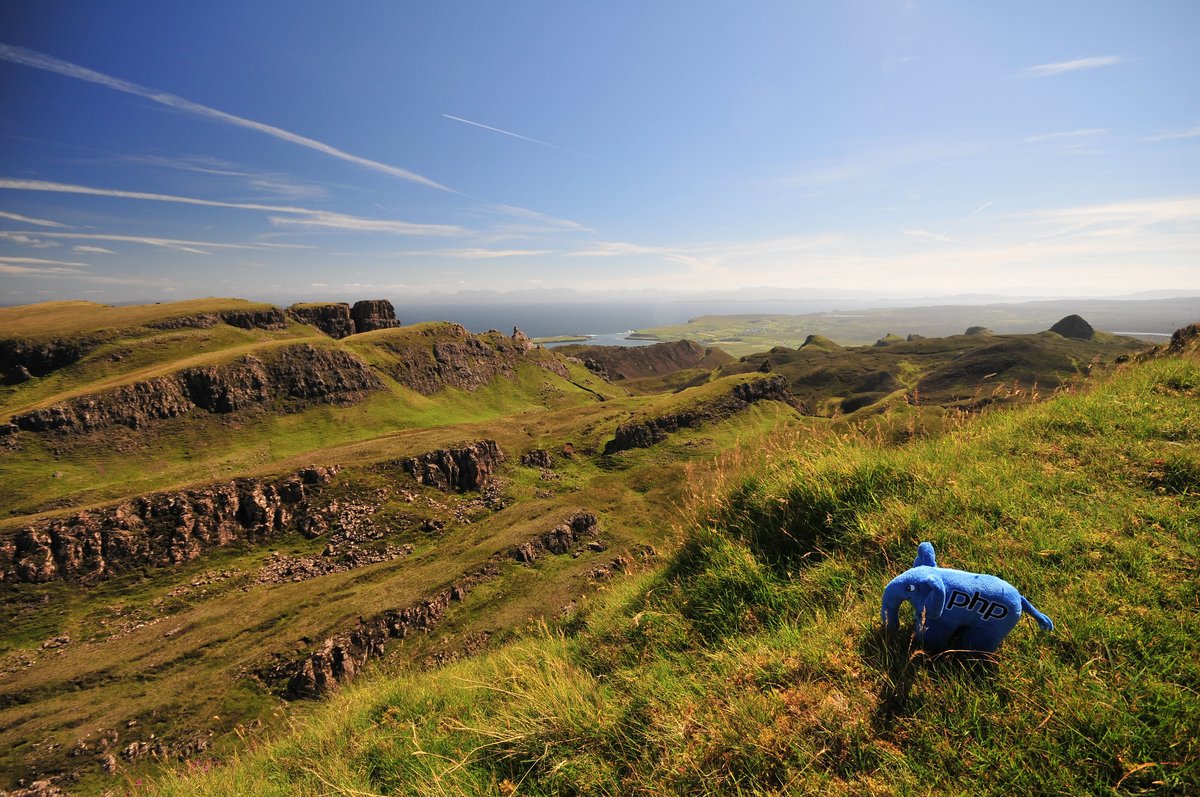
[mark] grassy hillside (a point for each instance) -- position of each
(754, 663)
(744, 334)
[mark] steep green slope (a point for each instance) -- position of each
(755, 662)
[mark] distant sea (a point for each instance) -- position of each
(608, 323)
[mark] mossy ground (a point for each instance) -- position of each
(754, 663)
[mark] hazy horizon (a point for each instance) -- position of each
(906, 149)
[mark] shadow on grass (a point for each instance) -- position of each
(902, 662)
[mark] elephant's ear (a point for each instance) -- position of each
(937, 595)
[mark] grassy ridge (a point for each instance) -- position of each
(755, 663)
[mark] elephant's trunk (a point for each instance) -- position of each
(893, 596)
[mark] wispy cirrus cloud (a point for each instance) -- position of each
(28, 220)
(1067, 134)
(1074, 65)
(25, 239)
(265, 182)
(48, 63)
(39, 265)
(92, 250)
(182, 245)
(308, 217)
(1174, 135)
(339, 221)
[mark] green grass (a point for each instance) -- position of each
(65, 319)
(754, 663)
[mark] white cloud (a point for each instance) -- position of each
(1046, 70)
(28, 220)
(20, 55)
(167, 243)
(339, 221)
(38, 265)
(1193, 132)
(1067, 134)
(93, 250)
(314, 218)
(22, 239)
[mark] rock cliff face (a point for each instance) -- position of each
(459, 359)
(300, 373)
(340, 320)
(372, 314)
(333, 319)
(468, 467)
(658, 359)
(643, 434)
(22, 359)
(342, 656)
(159, 530)
(270, 318)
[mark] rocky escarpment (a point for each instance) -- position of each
(333, 319)
(159, 530)
(658, 359)
(268, 318)
(342, 656)
(648, 432)
(456, 358)
(300, 373)
(340, 320)
(467, 467)
(372, 314)
(22, 359)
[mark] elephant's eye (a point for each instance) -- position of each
(910, 588)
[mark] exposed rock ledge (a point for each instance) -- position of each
(456, 358)
(301, 372)
(643, 434)
(468, 467)
(159, 530)
(340, 657)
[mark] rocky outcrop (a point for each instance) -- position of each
(982, 331)
(22, 359)
(468, 467)
(300, 373)
(267, 318)
(1074, 326)
(559, 540)
(342, 656)
(456, 358)
(372, 314)
(537, 458)
(333, 319)
(645, 433)
(658, 359)
(340, 320)
(159, 530)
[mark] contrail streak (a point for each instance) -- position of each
(19, 55)
(524, 138)
(973, 213)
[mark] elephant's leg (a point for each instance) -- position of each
(987, 636)
(937, 637)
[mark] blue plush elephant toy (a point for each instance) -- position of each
(954, 608)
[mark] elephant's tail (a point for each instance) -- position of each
(1042, 620)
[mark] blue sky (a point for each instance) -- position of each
(288, 150)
